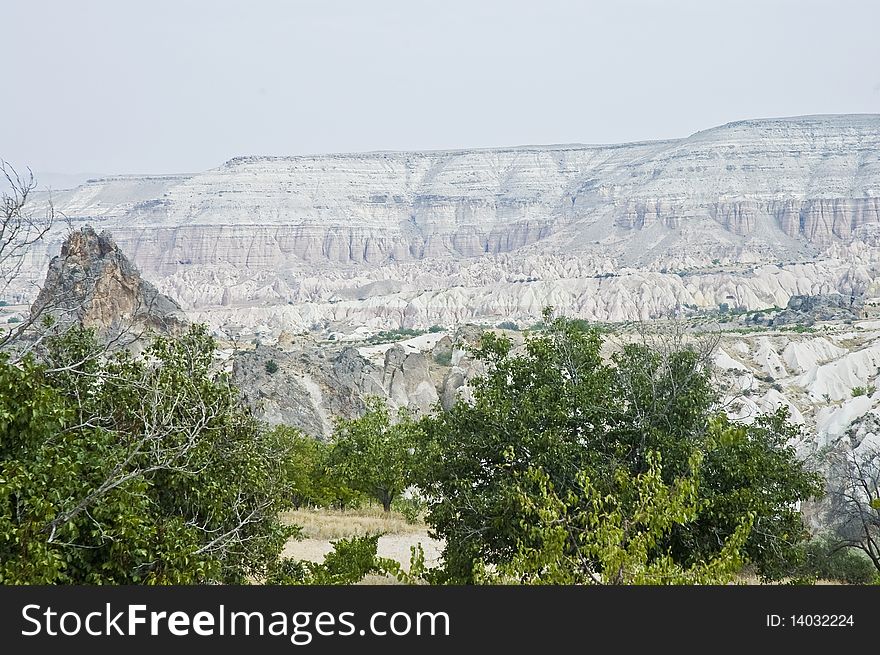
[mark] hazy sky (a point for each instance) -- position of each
(179, 86)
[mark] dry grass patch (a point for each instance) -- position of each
(320, 527)
(340, 524)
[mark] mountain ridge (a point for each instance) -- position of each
(317, 238)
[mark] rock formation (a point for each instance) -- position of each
(806, 310)
(94, 284)
(310, 383)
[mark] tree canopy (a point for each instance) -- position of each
(374, 455)
(117, 469)
(565, 409)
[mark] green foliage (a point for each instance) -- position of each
(863, 391)
(411, 507)
(348, 563)
(508, 325)
(434, 329)
(307, 469)
(124, 470)
(590, 537)
(13, 319)
(418, 572)
(561, 409)
(827, 559)
(398, 334)
(374, 456)
(752, 470)
(444, 358)
(271, 367)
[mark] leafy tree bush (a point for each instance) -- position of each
(309, 474)
(350, 561)
(444, 358)
(271, 367)
(863, 391)
(395, 335)
(589, 537)
(373, 455)
(411, 507)
(121, 470)
(560, 408)
(828, 559)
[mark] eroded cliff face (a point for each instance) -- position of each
(391, 239)
(314, 383)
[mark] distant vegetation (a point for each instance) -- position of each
(398, 334)
(508, 325)
(863, 391)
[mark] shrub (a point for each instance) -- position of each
(398, 334)
(444, 358)
(412, 507)
(859, 391)
(271, 367)
(508, 325)
(829, 561)
(434, 329)
(348, 563)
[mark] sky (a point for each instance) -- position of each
(158, 86)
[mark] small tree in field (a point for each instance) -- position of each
(373, 455)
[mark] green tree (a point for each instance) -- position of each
(560, 407)
(590, 537)
(373, 455)
(309, 471)
(752, 470)
(120, 469)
